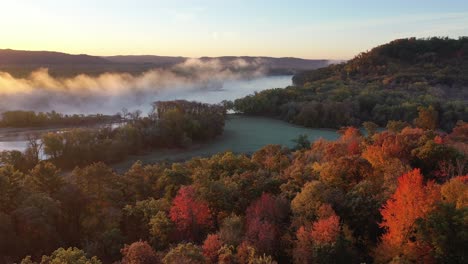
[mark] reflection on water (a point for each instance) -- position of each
(13, 145)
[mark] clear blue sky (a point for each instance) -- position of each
(309, 29)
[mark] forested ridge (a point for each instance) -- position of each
(390, 82)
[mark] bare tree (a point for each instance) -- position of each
(34, 149)
(125, 113)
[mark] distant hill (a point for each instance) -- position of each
(284, 64)
(272, 65)
(146, 59)
(390, 82)
(21, 63)
(20, 57)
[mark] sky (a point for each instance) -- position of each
(295, 28)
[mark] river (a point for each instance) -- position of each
(242, 134)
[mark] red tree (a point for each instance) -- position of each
(267, 208)
(191, 215)
(244, 252)
(411, 200)
(263, 219)
(327, 228)
(263, 235)
(139, 253)
(211, 247)
(324, 231)
(303, 248)
(352, 138)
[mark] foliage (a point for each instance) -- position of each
(65, 256)
(139, 252)
(445, 230)
(32, 119)
(191, 216)
(184, 254)
(412, 200)
(394, 81)
(171, 124)
(211, 247)
(357, 199)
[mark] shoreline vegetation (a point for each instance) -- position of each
(31, 119)
(170, 124)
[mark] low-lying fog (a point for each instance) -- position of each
(108, 93)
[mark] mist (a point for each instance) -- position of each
(109, 92)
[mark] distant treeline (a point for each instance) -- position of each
(41, 119)
(171, 124)
(391, 82)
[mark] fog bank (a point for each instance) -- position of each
(109, 92)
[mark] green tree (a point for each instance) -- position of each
(136, 218)
(69, 256)
(232, 230)
(37, 223)
(161, 228)
(302, 142)
(11, 188)
(100, 186)
(445, 230)
(45, 178)
(396, 126)
(185, 254)
(15, 158)
(371, 128)
(53, 144)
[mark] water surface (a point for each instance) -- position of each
(16, 139)
(242, 134)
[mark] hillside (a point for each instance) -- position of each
(390, 82)
(22, 63)
(437, 61)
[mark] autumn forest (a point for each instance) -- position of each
(393, 188)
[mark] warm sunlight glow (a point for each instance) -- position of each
(307, 29)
